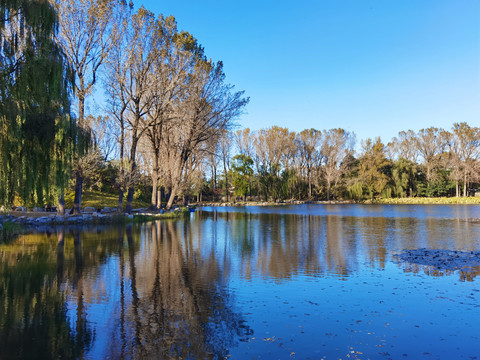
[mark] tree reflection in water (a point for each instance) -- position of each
(180, 305)
(280, 246)
(33, 321)
(167, 289)
(165, 298)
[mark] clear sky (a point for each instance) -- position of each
(375, 67)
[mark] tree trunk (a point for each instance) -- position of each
(120, 201)
(61, 205)
(122, 172)
(128, 207)
(328, 190)
(131, 185)
(81, 111)
(465, 184)
(160, 196)
(457, 189)
(309, 185)
(154, 201)
(172, 196)
(77, 202)
(226, 187)
(214, 182)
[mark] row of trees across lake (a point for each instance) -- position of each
(167, 125)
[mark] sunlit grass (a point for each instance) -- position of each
(99, 200)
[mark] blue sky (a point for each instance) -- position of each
(375, 67)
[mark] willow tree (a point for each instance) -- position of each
(88, 31)
(34, 92)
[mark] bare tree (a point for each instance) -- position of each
(244, 141)
(309, 142)
(204, 111)
(87, 32)
(131, 80)
(466, 145)
(336, 145)
(272, 155)
(403, 146)
(172, 67)
(430, 143)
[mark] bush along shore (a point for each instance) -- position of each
(471, 200)
(35, 219)
(274, 203)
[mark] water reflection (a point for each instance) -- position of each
(170, 289)
(33, 322)
(180, 306)
(280, 246)
(125, 293)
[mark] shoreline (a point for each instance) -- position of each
(390, 201)
(35, 219)
(39, 219)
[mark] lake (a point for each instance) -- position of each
(286, 282)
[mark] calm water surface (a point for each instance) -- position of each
(291, 282)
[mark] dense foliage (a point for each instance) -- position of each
(35, 127)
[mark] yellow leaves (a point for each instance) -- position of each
(272, 339)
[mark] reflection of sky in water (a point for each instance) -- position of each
(387, 211)
(287, 282)
(372, 314)
(340, 294)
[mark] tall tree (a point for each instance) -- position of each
(309, 154)
(373, 168)
(271, 146)
(88, 31)
(34, 102)
(466, 140)
(206, 110)
(130, 82)
(336, 145)
(430, 143)
(242, 172)
(177, 51)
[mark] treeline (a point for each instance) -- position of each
(278, 164)
(164, 96)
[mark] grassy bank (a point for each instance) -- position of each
(428, 201)
(99, 200)
(168, 215)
